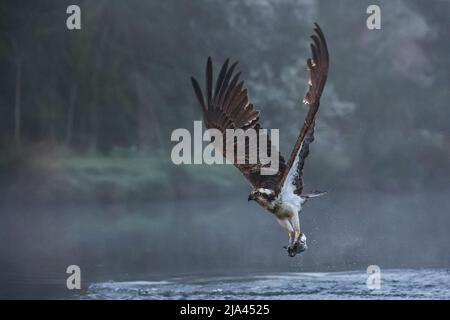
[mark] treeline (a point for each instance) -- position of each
(123, 79)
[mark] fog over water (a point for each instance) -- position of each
(346, 231)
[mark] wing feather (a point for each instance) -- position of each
(228, 107)
(318, 66)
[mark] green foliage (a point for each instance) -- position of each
(112, 93)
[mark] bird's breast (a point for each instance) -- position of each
(287, 207)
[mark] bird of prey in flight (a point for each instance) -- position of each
(227, 106)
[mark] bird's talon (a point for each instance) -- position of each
(297, 247)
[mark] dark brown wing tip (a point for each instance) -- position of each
(198, 93)
(318, 30)
(221, 76)
(316, 25)
(225, 65)
(323, 42)
(209, 81)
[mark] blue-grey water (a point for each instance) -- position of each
(394, 284)
(171, 243)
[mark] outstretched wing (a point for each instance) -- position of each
(227, 106)
(318, 71)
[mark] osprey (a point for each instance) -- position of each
(227, 106)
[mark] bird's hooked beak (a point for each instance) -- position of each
(250, 197)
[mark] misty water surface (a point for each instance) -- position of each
(154, 241)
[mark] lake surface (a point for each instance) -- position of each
(395, 284)
(186, 243)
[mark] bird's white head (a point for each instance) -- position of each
(264, 197)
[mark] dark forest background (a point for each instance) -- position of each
(86, 118)
(89, 112)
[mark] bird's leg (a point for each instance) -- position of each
(299, 243)
(295, 222)
(288, 227)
